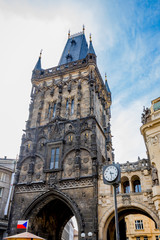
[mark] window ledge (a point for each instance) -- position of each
(52, 170)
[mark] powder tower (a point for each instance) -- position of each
(66, 142)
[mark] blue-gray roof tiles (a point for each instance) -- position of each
(76, 48)
(38, 65)
(107, 86)
(91, 49)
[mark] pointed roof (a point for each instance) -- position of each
(38, 64)
(24, 235)
(106, 84)
(76, 48)
(91, 49)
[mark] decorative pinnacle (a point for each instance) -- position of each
(69, 33)
(105, 77)
(83, 28)
(41, 53)
(90, 37)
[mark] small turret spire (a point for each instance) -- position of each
(106, 83)
(38, 64)
(105, 77)
(41, 53)
(90, 37)
(83, 28)
(69, 33)
(91, 49)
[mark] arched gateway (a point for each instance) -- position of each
(49, 213)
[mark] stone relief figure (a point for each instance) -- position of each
(145, 115)
(155, 180)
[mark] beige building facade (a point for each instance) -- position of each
(138, 193)
(140, 227)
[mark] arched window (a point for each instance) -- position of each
(137, 186)
(67, 105)
(126, 187)
(72, 106)
(54, 110)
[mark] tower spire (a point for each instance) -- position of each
(106, 84)
(38, 64)
(69, 33)
(91, 49)
(83, 28)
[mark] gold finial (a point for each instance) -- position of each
(83, 28)
(69, 33)
(90, 37)
(41, 53)
(105, 77)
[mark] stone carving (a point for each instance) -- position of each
(145, 115)
(32, 188)
(126, 199)
(155, 180)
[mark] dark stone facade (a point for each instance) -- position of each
(69, 111)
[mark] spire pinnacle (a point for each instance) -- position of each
(40, 53)
(105, 77)
(69, 33)
(106, 84)
(90, 37)
(83, 28)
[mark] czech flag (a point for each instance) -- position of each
(22, 224)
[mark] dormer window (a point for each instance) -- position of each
(73, 42)
(69, 57)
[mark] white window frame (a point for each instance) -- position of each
(138, 224)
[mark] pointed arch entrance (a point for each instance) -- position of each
(49, 213)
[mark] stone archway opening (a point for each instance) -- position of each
(50, 217)
(129, 219)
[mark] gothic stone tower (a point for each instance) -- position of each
(66, 142)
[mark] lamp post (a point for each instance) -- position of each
(116, 212)
(112, 176)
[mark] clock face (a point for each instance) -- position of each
(110, 173)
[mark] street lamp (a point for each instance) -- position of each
(112, 176)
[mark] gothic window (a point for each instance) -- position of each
(54, 110)
(157, 237)
(54, 163)
(70, 138)
(126, 187)
(72, 106)
(137, 186)
(0, 192)
(49, 110)
(139, 224)
(67, 105)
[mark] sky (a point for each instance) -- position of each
(125, 36)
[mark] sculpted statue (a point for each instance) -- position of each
(155, 180)
(146, 114)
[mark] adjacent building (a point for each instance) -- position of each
(7, 169)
